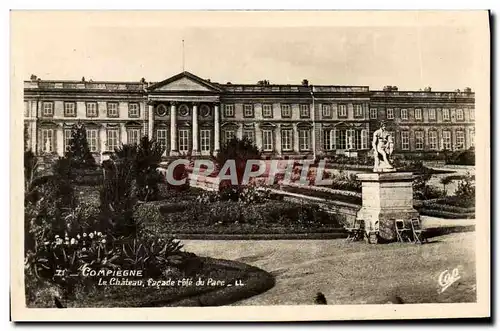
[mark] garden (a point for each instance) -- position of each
(82, 218)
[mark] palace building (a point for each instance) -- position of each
(189, 115)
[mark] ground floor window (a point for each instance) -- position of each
(68, 135)
(133, 136)
(267, 140)
(286, 139)
(460, 139)
(304, 139)
(328, 140)
(471, 137)
(405, 140)
(249, 134)
(228, 135)
(92, 139)
(183, 140)
(419, 140)
(162, 138)
(205, 140)
(48, 140)
(433, 139)
(447, 140)
(112, 139)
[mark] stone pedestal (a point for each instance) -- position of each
(386, 197)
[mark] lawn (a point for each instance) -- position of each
(354, 273)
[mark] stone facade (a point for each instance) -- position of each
(193, 116)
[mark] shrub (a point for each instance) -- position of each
(79, 152)
(467, 157)
(466, 192)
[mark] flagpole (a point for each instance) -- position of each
(183, 55)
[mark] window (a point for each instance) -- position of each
(405, 140)
(342, 110)
(286, 139)
(229, 110)
(328, 140)
(161, 137)
(433, 140)
(133, 110)
(471, 112)
(358, 111)
(183, 140)
(69, 109)
(112, 109)
(419, 140)
(304, 111)
(267, 111)
(340, 139)
(447, 140)
(133, 136)
(404, 114)
(350, 142)
(228, 135)
(91, 109)
(460, 114)
(460, 139)
(304, 139)
(286, 111)
(267, 140)
(446, 114)
(472, 137)
(418, 114)
(327, 111)
(112, 139)
(390, 113)
(373, 113)
(92, 139)
(48, 109)
(432, 114)
(364, 139)
(68, 135)
(249, 134)
(47, 140)
(248, 110)
(205, 140)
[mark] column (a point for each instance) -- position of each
(150, 121)
(60, 141)
(34, 136)
(102, 139)
(123, 133)
(216, 129)
(258, 136)
(173, 130)
(295, 138)
(196, 150)
(277, 143)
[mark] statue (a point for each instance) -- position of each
(383, 146)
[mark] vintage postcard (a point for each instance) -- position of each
(250, 165)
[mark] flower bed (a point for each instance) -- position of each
(331, 194)
(230, 217)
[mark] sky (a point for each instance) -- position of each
(410, 51)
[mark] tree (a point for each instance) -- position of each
(79, 151)
(445, 181)
(239, 150)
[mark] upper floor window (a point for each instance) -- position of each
(304, 111)
(373, 113)
(390, 113)
(48, 109)
(69, 109)
(446, 114)
(358, 110)
(418, 113)
(112, 109)
(267, 111)
(91, 109)
(286, 111)
(133, 110)
(404, 114)
(460, 114)
(342, 110)
(248, 110)
(432, 114)
(327, 110)
(229, 110)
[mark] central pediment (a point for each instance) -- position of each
(184, 82)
